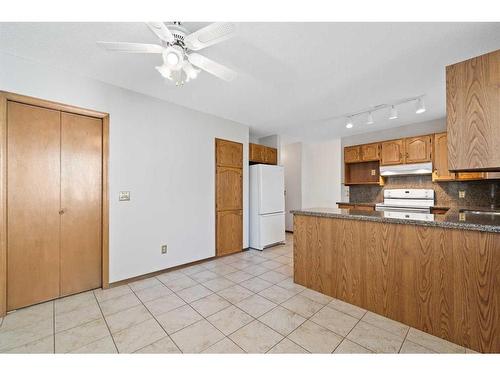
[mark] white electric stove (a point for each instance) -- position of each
(412, 204)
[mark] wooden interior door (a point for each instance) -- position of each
(229, 197)
(33, 201)
(418, 149)
(81, 203)
(392, 152)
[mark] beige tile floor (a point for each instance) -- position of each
(236, 304)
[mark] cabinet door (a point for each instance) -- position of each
(257, 153)
(33, 202)
(370, 152)
(81, 202)
(473, 112)
(352, 154)
(229, 188)
(229, 232)
(272, 156)
(392, 152)
(418, 149)
(229, 154)
(441, 172)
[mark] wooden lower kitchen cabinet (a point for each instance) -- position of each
(440, 280)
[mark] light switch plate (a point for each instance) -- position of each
(124, 196)
(461, 194)
(163, 249)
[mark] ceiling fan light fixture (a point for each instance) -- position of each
(190, 70)
(164, 71)
(173, 57)
(420, 106)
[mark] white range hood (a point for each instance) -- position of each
(406, 169)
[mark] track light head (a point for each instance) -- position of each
(394, 113)
(349, 123)
(369, 120)
(420, 108)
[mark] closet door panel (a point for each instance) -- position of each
(81, 204)
(33, 197)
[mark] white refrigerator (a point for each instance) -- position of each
(267, 205)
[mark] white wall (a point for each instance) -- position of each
(162, 153)
(321, 174)
(291, 158)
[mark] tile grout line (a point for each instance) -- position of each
(154, 317)
(105, 322)
(404, 339)
(345, 337)
(203, 317)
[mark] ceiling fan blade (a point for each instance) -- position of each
(212, 67)
(131, 47)
(161, 31)
(210, 35)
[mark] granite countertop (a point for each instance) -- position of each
(455, 218)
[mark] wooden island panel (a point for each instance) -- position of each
(442, 281)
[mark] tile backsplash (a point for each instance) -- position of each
(477, 193)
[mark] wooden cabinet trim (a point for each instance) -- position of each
(4, 98)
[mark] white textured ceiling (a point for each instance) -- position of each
(291, 75)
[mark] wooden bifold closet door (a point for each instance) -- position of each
(54, 204)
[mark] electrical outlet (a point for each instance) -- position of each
(461, 194)
(374, 172)
(163, 249)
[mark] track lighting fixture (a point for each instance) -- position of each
(394, 113)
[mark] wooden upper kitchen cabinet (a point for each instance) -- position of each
(418, 149)
(352, 154)
(392, 152)
(370, 152)
(260, 154)
(441, 171)
(441, 168)
(473, 113)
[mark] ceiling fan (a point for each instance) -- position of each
(180, 63)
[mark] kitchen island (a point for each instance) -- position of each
(441, 276)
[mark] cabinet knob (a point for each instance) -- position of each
(61, 211)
